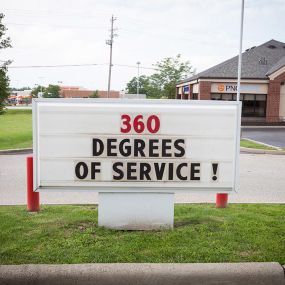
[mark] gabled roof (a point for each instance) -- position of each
(257, 63)
(277, 66)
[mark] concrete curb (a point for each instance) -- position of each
(263, 127)
(144, 273)
(261, 151)
(16, 151)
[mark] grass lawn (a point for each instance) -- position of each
(16, 129)
(250, 144)
(202, 233)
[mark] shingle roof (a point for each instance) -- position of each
(257, 63)
(277, 66)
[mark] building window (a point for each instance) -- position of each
(195, 96)
(248, 105)
(215, 96)
(253, 105)
(185, 96)
(227, 97)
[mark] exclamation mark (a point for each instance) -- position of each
(215, 171)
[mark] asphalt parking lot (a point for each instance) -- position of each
(271, 136)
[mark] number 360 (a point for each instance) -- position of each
(140, 124)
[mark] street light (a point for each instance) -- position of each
(138, 78)
(41, 81)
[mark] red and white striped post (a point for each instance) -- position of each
(221, 200)
(33, 198)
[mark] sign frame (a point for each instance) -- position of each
(135, 186)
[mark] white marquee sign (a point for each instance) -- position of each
(135, 145)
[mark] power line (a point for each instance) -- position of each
(77, 65)
(50, 13)
(134, 66)
(57, 26)
(52, 66)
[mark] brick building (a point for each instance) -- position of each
(79, 92)
(262, 83)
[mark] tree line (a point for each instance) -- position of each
(162, 83)
(5, 42)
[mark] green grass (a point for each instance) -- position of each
(202, 233)
(251, 144)
(16, 129)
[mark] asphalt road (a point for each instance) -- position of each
(262, 180)
(272, 136)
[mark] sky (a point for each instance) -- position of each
(68, 32)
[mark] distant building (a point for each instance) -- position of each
(262, 83)
(20, 97)
(80, 92)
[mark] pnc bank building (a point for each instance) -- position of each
(262, 83)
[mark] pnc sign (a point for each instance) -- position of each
(135, 145)
(247, 88)
(229, 88)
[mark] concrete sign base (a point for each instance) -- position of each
(136, 211)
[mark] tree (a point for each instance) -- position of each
(20, 89)
(95, 94)
(52, 91)
(145, 87)
(170, 71)
(36, 90)
(162, 84)
(5, 42)
(4, 87)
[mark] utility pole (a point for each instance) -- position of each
(138, 78)
(110, 43)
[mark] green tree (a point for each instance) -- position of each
(20, 89)
(143, 85)
(162, 84)
(52, 91)
(4, 87)
(36, 90)
(95, 94)
(170, 71)
(146, 86)
(5, 42)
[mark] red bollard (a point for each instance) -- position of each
(221, 200)
(33, 198)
